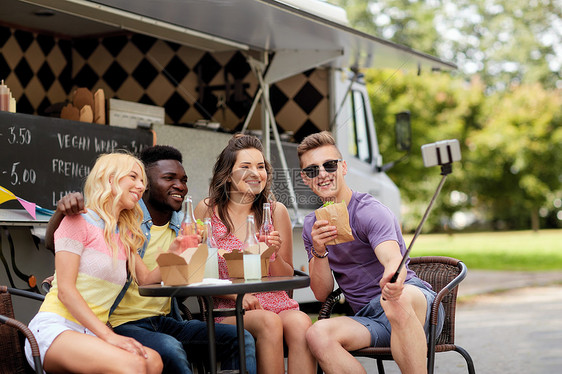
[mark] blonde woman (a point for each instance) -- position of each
(92, 253)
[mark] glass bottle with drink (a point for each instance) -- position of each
(251, 251)
(267, 224)
(212, 264)
(188, 229)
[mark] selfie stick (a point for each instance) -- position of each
(440, 153)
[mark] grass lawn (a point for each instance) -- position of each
(511, 250)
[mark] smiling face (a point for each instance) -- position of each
(132, 187)
(328, 186)
(249, 174)
(167, 186)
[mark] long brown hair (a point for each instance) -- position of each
(219, 188)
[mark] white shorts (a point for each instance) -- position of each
(46, 326)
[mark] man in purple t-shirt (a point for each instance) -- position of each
(363, 269)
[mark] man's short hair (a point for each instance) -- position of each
(156, 153)
(316, 140)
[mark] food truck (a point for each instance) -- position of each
(192, 73)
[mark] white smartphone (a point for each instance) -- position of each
(441, 153)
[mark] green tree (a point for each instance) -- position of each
(515, 159)
(504, 105)
(441, 107)
(511, 146)
(504, 41)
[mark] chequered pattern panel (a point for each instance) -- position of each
(300, 103)
(190, 84)
(36, 68)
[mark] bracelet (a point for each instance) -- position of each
(315, 254)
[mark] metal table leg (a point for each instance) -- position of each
(211, 333)
(240, 331)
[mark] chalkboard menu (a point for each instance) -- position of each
(43, 159)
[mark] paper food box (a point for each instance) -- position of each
(187, 268)
(235, 262)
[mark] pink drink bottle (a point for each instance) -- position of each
(188, 225)
(267, 224)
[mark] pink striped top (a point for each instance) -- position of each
(100, 277)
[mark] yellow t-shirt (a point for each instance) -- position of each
(134, 306)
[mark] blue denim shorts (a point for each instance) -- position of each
(373, 318)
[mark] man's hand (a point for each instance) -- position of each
(71, 204)
(392, 291)
(321, 279)
(322, 233)
(388, 253)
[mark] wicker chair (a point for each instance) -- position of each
(12, 357)
(444, 274)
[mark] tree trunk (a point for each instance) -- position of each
(535, 220)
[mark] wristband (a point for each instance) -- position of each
(315, 254)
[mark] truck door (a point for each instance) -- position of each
(357, 140)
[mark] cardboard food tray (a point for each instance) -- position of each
(184, 269)
(235, 261)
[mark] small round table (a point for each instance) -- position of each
(240, 287)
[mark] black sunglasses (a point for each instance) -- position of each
(312, 171)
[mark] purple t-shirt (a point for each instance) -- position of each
(356, 267)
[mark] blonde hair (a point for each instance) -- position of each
(102, 194)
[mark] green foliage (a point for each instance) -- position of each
(511, 144)
(517, 155)
(508, 117)
(441, 107)
(402, 21)
(517, 41)
(503, 41)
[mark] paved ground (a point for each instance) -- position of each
(509, 322)
(478, 282)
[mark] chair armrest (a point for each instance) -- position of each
(47, 284)
(448, 288)
(184, 310)
(23, 293)
(328, 305)
(459, 278)
(29, 335)
(223, 312)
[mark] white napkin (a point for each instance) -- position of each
(211, 282)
